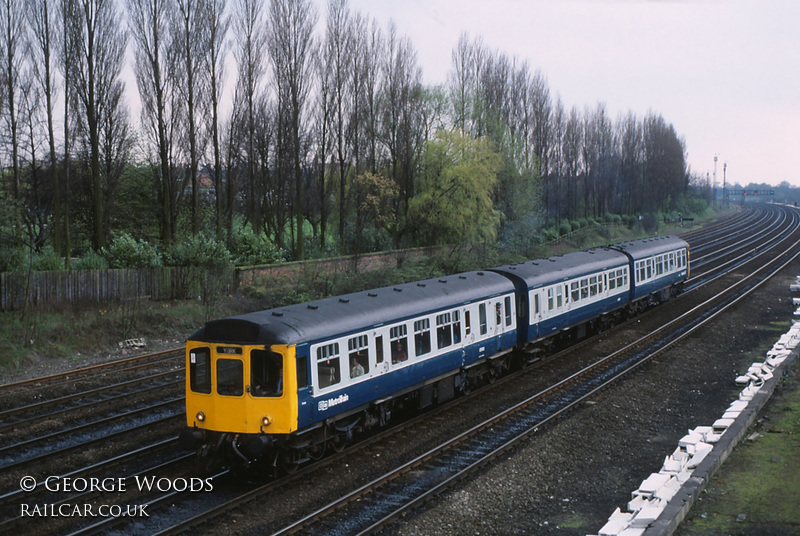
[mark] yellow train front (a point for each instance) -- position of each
(239, 398)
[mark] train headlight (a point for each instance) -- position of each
(200, 416)
(266, 420)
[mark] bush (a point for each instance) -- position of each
(91, 260)
(199, 250)
(565, 228)
(14, 259)
(47, 260)
(249, 248)
(128, 252)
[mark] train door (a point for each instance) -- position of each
(381, 363)
(469, 332)
(229, 387)
(499, 315)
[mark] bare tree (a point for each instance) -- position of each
(41, 18)
(188, 32)
(366, 94)
(12, 47)
(155, 70)
(459, 82)
(67, 56)
(101, 43)
(323, 110)
(291, 50)
(217, 23)
(339, 45)
(250, 41)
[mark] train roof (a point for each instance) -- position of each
(339, 315)
(648, 247)
(541, 272)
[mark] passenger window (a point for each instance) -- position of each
(328, 368)
(398, 341)
(379, 349)
(266, 373)
(200, 370)
(358, 348)
(444, 337)
(508, 310)
(482, 315)
(422, 336)
(498, 310)
(584, 289)
(230, 376)
(575, 292)
(456, 327)
(559, 300)
(467, 326)
(550, 303)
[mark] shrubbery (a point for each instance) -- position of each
(249, 248)
(128, 252)
(199, 251)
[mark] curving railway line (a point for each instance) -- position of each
(724, 264)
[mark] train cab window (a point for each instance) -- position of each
(230, 376)
(358, 353)
(398, 343)
(482, 315)
(328, 368)
(200, 370)
(422, 336)
(508, 309)
(266, 373)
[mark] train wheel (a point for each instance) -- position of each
(337, 443)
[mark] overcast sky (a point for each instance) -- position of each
(726, 74)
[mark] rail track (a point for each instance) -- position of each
(230, 492)
(371, 507)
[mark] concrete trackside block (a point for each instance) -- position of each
(677, 508)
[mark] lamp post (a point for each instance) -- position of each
(724, 182)
(715, 180)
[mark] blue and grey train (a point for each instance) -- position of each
(276, 388)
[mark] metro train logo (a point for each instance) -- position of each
(324, 405)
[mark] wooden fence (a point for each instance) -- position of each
(32, 289)
(19, 290)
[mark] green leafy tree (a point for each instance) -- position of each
(374, 197)
(454, 201)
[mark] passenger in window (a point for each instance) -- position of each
(356, 369)
(399, 352)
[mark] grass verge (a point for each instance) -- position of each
(757, 490)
